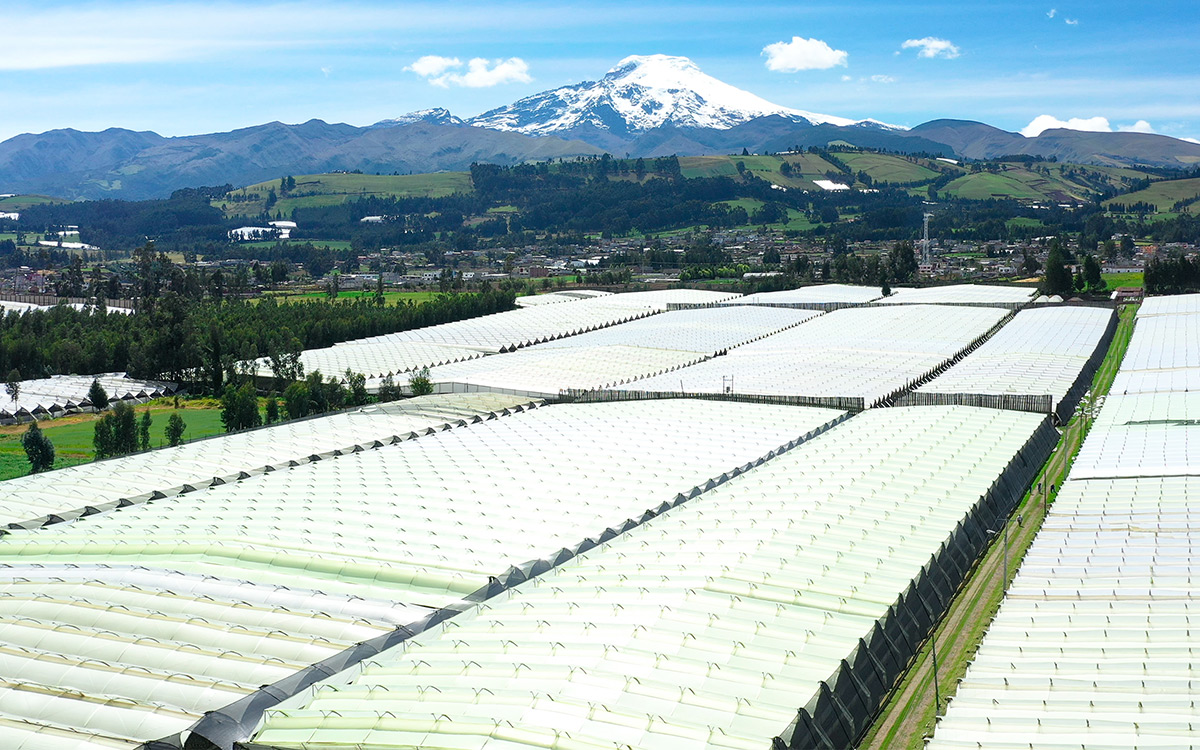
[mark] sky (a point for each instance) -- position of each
(182, 68)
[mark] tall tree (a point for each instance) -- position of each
(38, 449)
(1058, 277)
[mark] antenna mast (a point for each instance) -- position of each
(925, 256)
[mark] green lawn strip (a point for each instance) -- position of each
(908, 717)
(72, 436)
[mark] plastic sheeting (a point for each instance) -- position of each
(1049, 351)
(65, 494)
(204, 608)
(871, 353)
(66, 394)
(818, 297)
(1011, 297)
(708, 626)
(1095, 645)
(394, 353)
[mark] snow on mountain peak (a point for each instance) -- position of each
(640, 93)
(437, 116)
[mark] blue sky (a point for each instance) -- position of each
(180, 68)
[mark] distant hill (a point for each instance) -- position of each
(125, 164)
(975, 140)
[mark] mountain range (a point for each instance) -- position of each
(651, 105)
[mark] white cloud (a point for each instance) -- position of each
(429, 66)
(1141, 126)
(481, 72)
(1049, 122)
(931, 46)
(1191, 140)
(1071, 21)
(803, 54)
(847, 78)
(883, 79)
(1053, 12)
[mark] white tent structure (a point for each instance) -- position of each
(619, 354)
(1011, 297)
(1047, 352)
(136, 624)
(55, 396)
(1094, 646)
(863, 353)
(69, 493)
(709, 626)
(818, 297)
(395, 353)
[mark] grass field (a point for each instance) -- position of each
(1124, 279)
(17, 202)
(806, 168)
(72, 436)
(908, 717)
(887, 168)
(335, 189)
(1162, 195)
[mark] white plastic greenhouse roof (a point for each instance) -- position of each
(533, 300)
(129, 625)
(1150, 434)
(619, 354)
(54, 395)
(1095, 645)
(702, 330)
(539, 372)
(1175, 304)
(868, 352)
(450, 342)
(706, 627)
(820, 294)
(231, 457)
(1039, 351)
(979, 294)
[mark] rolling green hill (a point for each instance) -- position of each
(18, 202)
(888, 168)
(334, 189)
(1162, 195)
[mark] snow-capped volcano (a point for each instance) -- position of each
(641, 93)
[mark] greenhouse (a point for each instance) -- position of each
(65, 494)
(805, 584)
(867, 353)
(819, 297)
(138, 623)
(395, 353)
(619, 354)
(1051, 351)
(55, 396)
(1094, 645)
(1011, 297)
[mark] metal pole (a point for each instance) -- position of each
(1005, 586)
(937, 693)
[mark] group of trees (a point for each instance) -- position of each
(120, 432)
(1176, 274)
(203, 342)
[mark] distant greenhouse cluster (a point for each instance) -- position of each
(670, 519)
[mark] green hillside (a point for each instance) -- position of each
(334, 189)
(1051, 183)
(888, 168)
(805, 168)
(18, 202)
(1162, 195)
